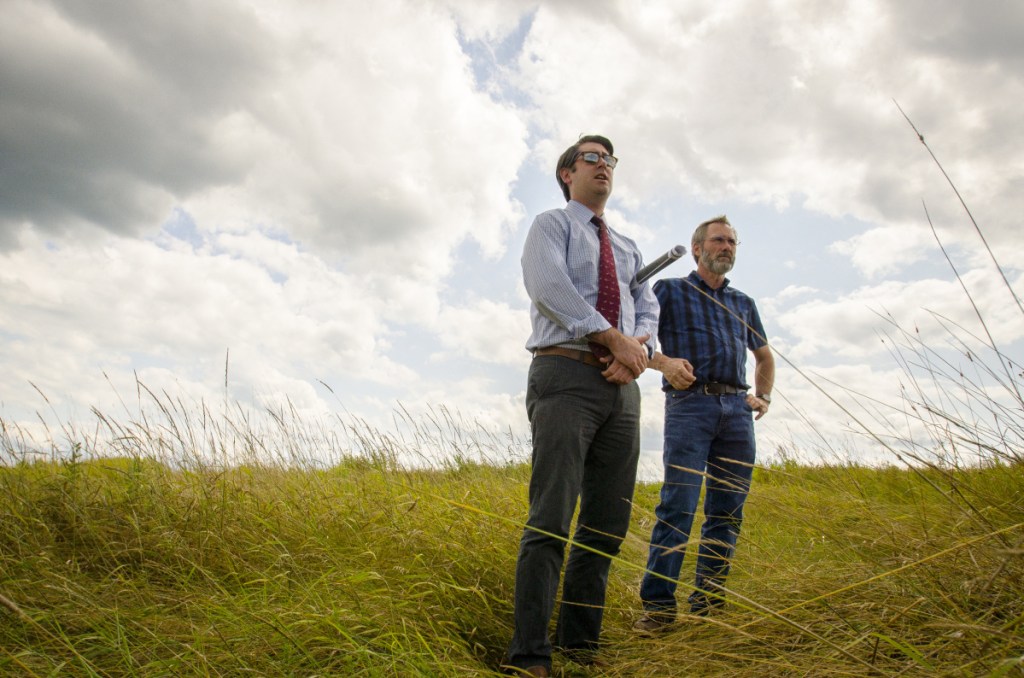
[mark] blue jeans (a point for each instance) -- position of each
(586, 444)
(705, 436)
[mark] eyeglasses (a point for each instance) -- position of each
(721, 240)
(592, 158)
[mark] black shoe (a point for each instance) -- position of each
(538, 671)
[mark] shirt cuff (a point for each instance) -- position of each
(592, 325)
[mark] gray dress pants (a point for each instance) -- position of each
(586, 443)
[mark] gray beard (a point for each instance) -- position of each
(718, 267)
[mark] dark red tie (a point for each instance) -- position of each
(607, 284)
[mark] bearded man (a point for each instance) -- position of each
(705, 328)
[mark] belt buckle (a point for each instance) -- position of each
(705, 391)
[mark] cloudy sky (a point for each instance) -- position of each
(332, 198)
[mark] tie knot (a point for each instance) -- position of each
(597, 221)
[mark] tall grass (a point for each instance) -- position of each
(162, 559)
(143, 553)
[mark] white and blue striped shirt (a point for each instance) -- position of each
(560, 267)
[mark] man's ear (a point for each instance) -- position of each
(566, 174)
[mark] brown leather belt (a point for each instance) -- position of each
(714, 388)
(582, 356)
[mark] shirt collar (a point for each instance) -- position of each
(695, 278)
(580, 211)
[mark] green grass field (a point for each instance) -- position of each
(129, 565)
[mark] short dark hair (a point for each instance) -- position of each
(569, 157)
(702, 232)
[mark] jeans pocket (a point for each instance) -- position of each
(677, 398)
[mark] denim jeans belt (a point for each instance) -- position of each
(582, 356)
(714, 388)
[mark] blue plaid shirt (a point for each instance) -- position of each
(693, 325)
(560, 265)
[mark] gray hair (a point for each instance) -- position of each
(702, 232)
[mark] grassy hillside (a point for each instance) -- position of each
(134, 566)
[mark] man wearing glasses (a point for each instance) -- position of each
(591, 338)
(705, 326)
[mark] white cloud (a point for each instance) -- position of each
(770, 307)
(486, 332)
(302, 184)
(75, 312)
(302, 125)
(110, 113)
(886, 249)
(854, 325)
(490, 21)
(699, 100)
